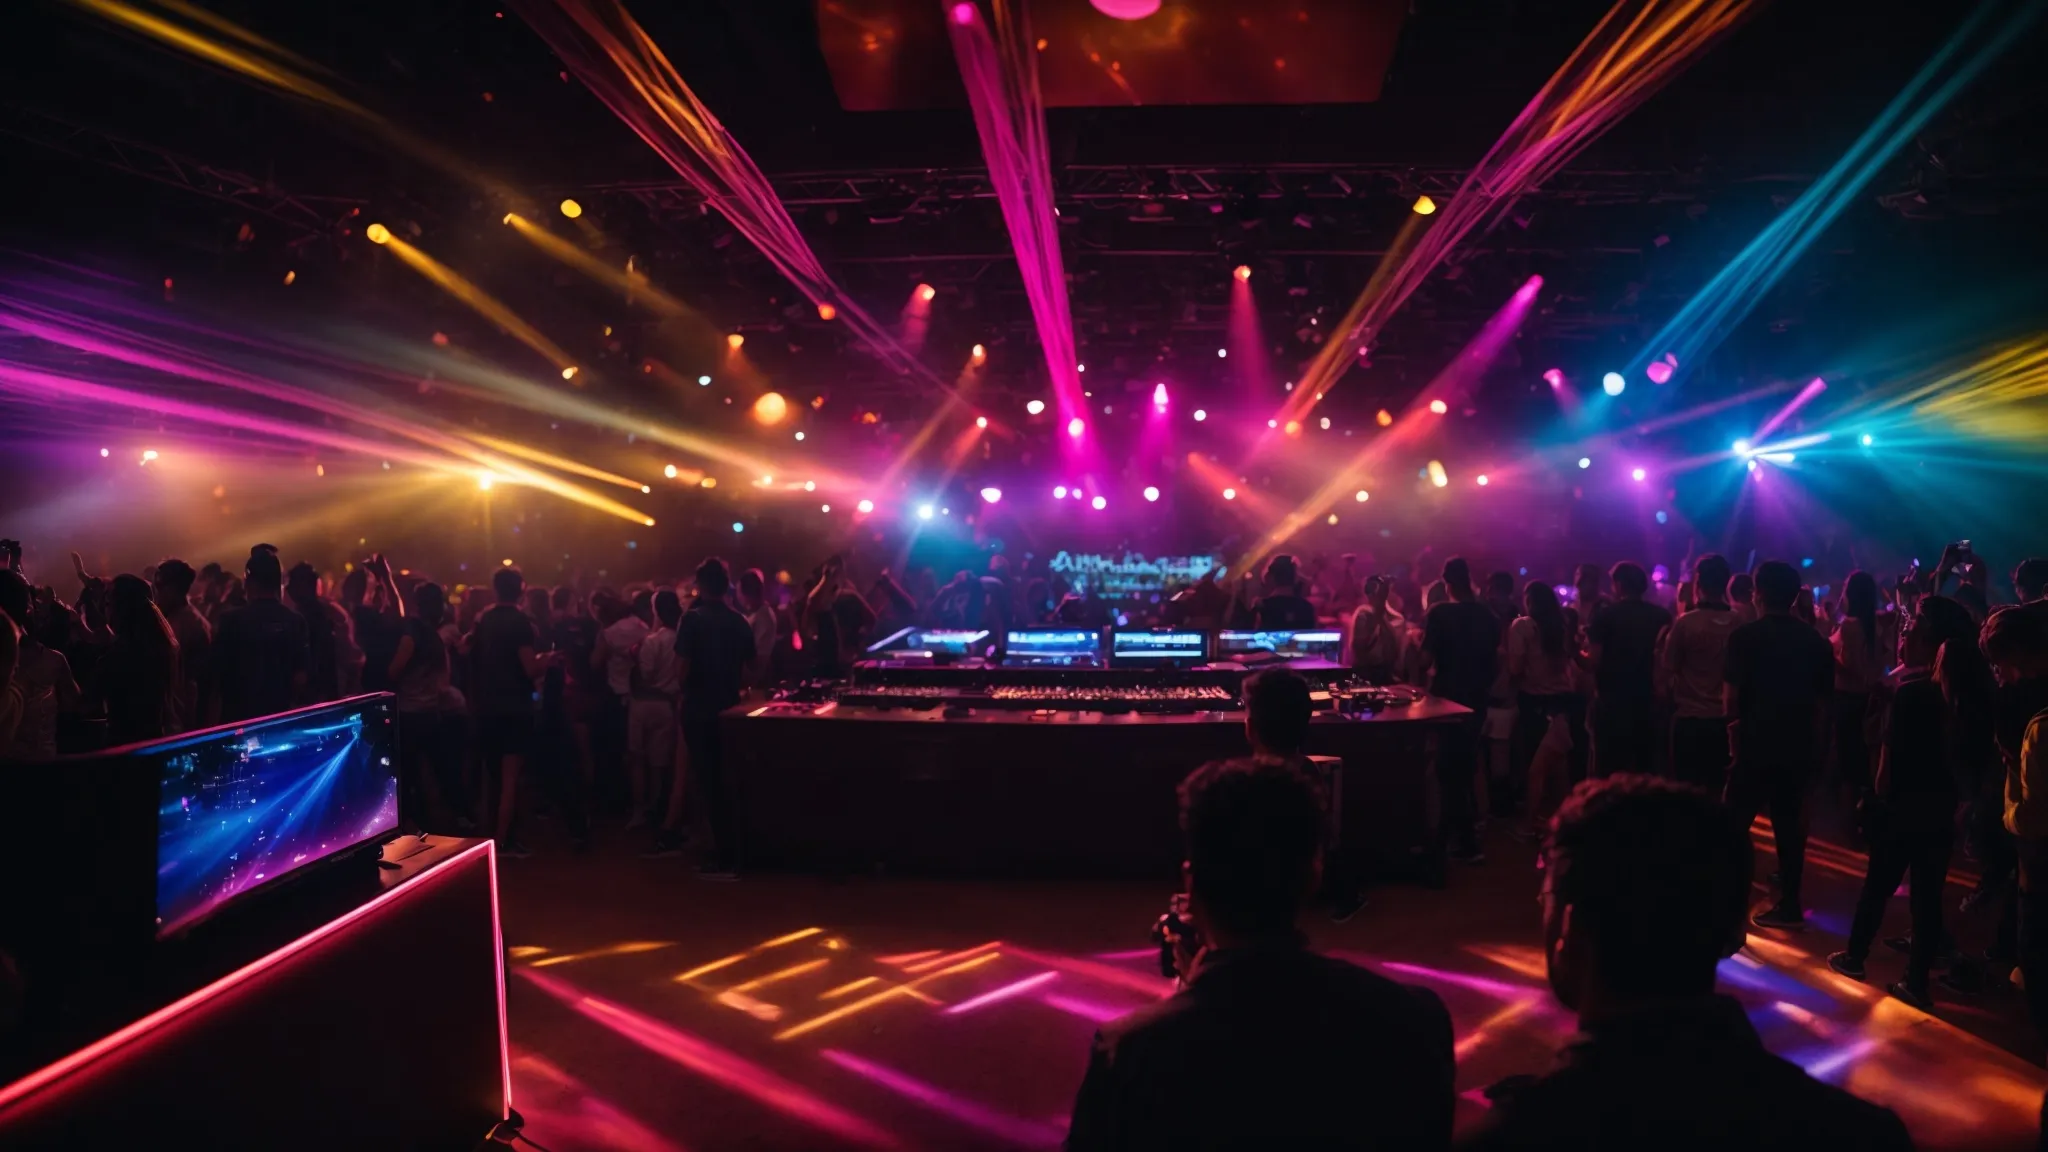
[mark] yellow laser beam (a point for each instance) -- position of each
(558, 463)
(867, 1002)
(949, 958)
(479, 301)
(763, 946)
(851, 986)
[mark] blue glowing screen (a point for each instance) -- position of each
(1052, 646)
(239, 807)
(1159, 647)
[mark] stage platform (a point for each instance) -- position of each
(646, 1006)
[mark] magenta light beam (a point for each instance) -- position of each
(1815, 388)
(1009, 1129)
(1001, 994)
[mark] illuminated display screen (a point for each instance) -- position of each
(930, 642)
(1052, 646)
(1319, 644)
(240, 807)
(1159, 647)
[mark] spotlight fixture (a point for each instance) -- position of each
(1099, 503)
(703, 381)
(799, 437)
(991, 495)
(1076, 426)
(1159, 395)
(1424, 206)
(738, 527)
(925, 511)
(1230, 493)
(734, 340)
(1638, 475)
(771, 408)
(1034, 407)
(1059, 492)
(864, 507)
(1554, 377)
(1384, 418)
(979, 353)
(1243, 273)
(1437, 475)
(484, 482)
(1361, 496)
(1439, 407)
(1331, 520)
(827, 312)
(569, 373)
(1741, 447)
(1482, 479)
(926, 292)
(708, 482)
(1585, 461)
(1324, 423)
(669, 470)
(377, 234)
(1151, 493)
(810, 485)
(1613, 384)
(1201, 414)
(1222, 353)
(571, 209)
(1080, 368)
(824, 508)
(1867, 442)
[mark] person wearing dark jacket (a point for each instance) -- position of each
(1644, 882)
(1267, 1045)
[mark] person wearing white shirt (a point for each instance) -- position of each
(657, 680)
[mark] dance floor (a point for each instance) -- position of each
(653, 1011)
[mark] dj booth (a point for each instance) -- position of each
(976, 762)
(220, 941)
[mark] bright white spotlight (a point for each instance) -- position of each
(926, 511)
(926, 293)
(1222, 353)
(1482, 479)
(1741, 447)
(1585, 461)
(1099, 503)
(1075, 427)
(669, 470)
(738, 527)
(1613, 384)
(810, 485)
(106, 452)
(1272, 423)
(1361, 496)
(703, 381)
(824, 508)
(991, 495)
(1201, 415)
(1151, 493)
(1638, 475)
(1035, 407)
(1059, 491)
(1867, 442)
(1159, 395)
(1439, 407)
(485, 481)
(979, 422)
(1230, 493)
(864, 507)
(1325, 423)
(799, 436)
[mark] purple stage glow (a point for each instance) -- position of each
(1010, 1129)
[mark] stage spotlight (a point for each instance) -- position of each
(1439, 407)
(148, 454)
(1867, 442)
(1059, 491)
(1752, 465)
(644, 489)
(1201, 414)
(1613, 384)
(963, 14)
(1424, 206)
(926, 292)
(569, 373)
(810, 485)
(981, 421)
(827, 312)
(669, 470)
(1361, 496)
(106, 452)
(1230, 493)
(1741, 447)
(1035, 407)
(771, 408)
(1437, 475)
(925, 511)
(1638, 475)
(1482, 479)
(864, 507)
(485, 481)
(1659, 372)
(1293, 428)
(978, 354)
(824, 508)
(1221, 353)
(703, 381)
(1075, 427)
(377, 234)
(1554, 377)
(1159, 395)
(1324, 423)
(734, 340)
(1272, 423)
(799, 436)
(1331, 520)
(991, 495)
(1663, 517)
(1243, 273)
(1384, 418)
(708, 482)
(1151, 493)
(571, 209)
(738, 527)
(1585, 461)
(1099, 503)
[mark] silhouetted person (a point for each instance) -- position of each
(1283, 606)
(1644, 882)
(260, 650)
(506, 658)
(717, 646)
(1461, 638)
(1621, 640)
(1267, 1045)
(1696, 664)
(1780, 674)
(173, 590)
(139, 672)
(2015, 642)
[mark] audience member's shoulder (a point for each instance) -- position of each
(1849, 1121)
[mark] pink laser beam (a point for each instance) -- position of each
(1001, 994)
(1028, 1133)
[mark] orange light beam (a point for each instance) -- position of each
(558, 463)
(628, 948)
(867, 1002)
(479, 301)
(781, 974)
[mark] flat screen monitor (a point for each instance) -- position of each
(240, 807)
(1052, 647)
(1159, 648)
(1282, 644)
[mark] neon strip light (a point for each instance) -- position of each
(1010, 1129)
(867, 1002)
(90, 1054)
(1004, 993)
(843, 989)
(716, 1064)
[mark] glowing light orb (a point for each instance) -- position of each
(1384, 418)
(1585, 461)
(569, 373)
(864, 507)
(1554, 377)
(1424, 206)
(1272, 423)
(1201, 414)
(799, 436)
(1663, 517)
(485, 481)
(1243, 273)
(148, 454)
(1658, 371)
(106, 452)
(1035, 407)
(738, 527)
(771, 408)
(810, 485)
(1325, 423)
(1482, 480)
(979, 353)
(708, 482)
(824, 508)
(1638, 475)
(991, 495)
(1076, 492)
(1361, 496)
(1151, 493)
(925, 511)
(1293, 428)
(1331, 519)
(1125, 9)
(1222, 353)
(571, 209)
(1867, 442)
(645, 489)
(1752, 466)
(1613, 384)
(1159, 395)
(734, 341)
(1741, 447)
(377, 234)
(1059, 492)
(926, 293)
(703, 381)
(1230, 493)
(1437, 475)
(963, 13)
(505, 563)
(1076, 426)
(1439, 407)
(827, 312)
(1099, 503)
(669, 471)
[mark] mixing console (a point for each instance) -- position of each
(1066, 698)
